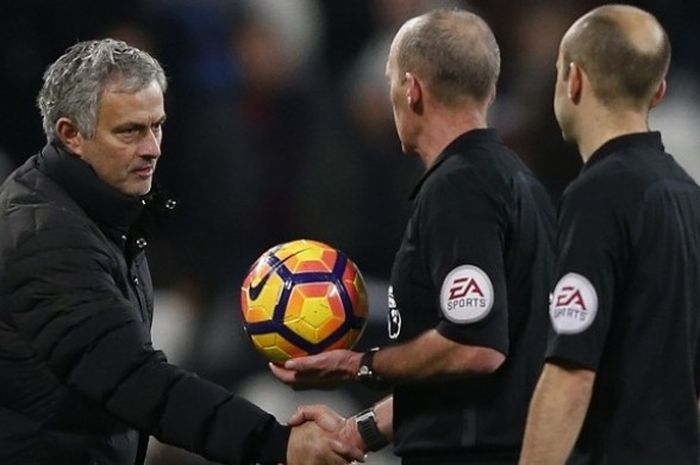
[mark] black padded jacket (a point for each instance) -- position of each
(80, 382)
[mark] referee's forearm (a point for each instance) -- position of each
(556, 414)
(431, 356)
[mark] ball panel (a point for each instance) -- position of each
(331, 324)
(276, 348)
(355, 286)
(311, 314)
(257, 271)
(256, 314)
(347, 340)
(260, 299)
(312, 260)
(303, 329)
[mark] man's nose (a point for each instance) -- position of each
(150, 144)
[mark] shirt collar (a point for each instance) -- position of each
(461, 144)
(650, 139)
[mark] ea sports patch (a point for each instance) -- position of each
(574, 304)
(466, 295)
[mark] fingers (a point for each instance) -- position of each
(350, 435)
(309, 363)
(284, 375)
(298, 417)
(296, 364)
(330, 361)
(310, 379)
(326, 370)
(322, 415)
(309, 445)
(300, 380)
(348, 452)
(303, 414)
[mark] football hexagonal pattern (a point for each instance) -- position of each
(301, 298)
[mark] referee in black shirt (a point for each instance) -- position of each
(621, 381)
(470, 281)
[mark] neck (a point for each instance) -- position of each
(608, 125)
(442, 128)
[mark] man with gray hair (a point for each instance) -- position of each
(471, 276)
(80, 383)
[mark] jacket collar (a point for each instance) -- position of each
(101, 202)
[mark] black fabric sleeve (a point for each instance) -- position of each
(66, 302)
(590, 253)
(462, 228)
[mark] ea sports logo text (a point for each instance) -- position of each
(570, 296)
(569, 302)
(463, 286)
(574, 304)
(465, 292)
(466, 295)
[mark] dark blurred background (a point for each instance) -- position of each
(279, 127)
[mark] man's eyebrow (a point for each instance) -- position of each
(129, 125)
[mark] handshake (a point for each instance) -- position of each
(320, 436)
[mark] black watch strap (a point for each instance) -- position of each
(369, 431)
(366, 374)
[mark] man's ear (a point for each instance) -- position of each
(492, 97)
(659, 94)
(414, 91)
(575, 82)
(70, 135)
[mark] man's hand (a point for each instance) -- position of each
(325, 370)
(311, 445)
(330, 421)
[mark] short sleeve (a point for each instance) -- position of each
(589, 251)
(463, 233)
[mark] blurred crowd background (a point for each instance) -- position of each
(279, 127)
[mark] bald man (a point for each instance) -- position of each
(620, 385)
(472, 274)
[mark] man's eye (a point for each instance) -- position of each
(130, 131)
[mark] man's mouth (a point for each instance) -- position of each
(144, 171)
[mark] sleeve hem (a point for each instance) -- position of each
(273, 449)
(448, 331)
(568, 363)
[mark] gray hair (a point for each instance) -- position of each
(74, 83)
(455, 51)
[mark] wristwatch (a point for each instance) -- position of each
(369, 431)
(366, 374)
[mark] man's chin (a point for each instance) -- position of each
(410, 151)
(567, 137)
(136, 190)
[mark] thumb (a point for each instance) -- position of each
(323, 416)
(299, 417)
(348, 452)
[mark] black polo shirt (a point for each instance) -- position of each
(476, 263)
(627, 303)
